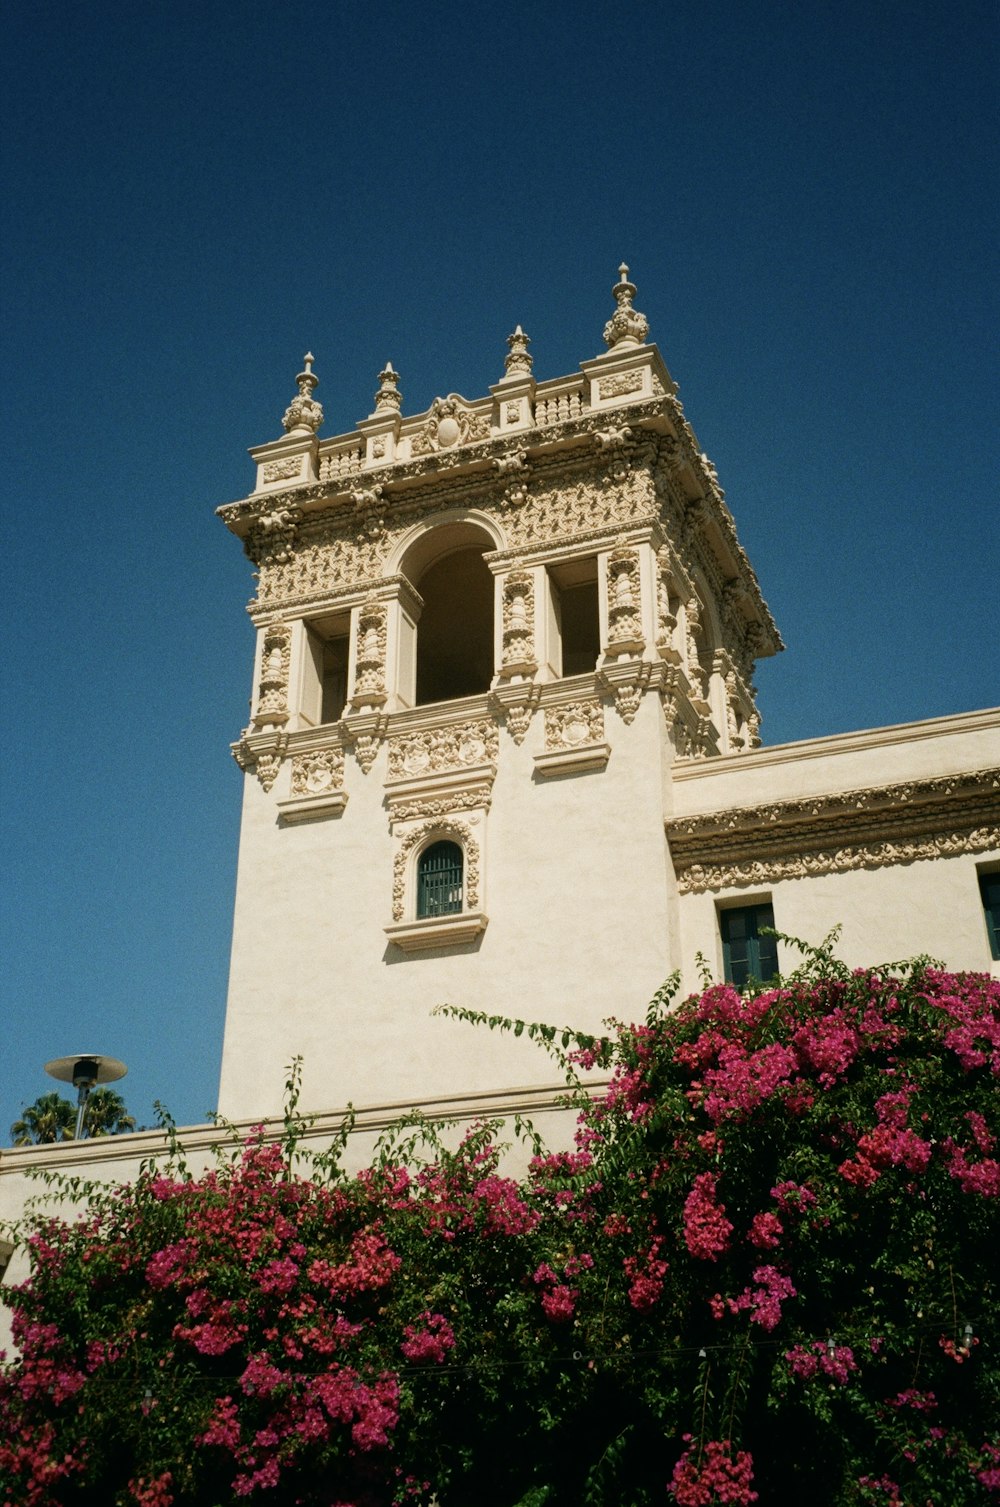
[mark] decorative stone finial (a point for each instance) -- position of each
(518, 362)
(388, 395)
(626, 325)
(303, 414)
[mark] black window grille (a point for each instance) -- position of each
(439, 880)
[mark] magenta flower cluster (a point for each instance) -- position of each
(783, 1206)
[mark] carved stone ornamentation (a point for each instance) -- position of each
(450, 422)
(519, 720)
(423, 807)
(283, 470)
(734, 723)
(388, 399)
(369, 678)
(519, 623)
(366, 747)
(318, 772)
(572, 726)
(666, 608)
(340, 464)
(512, 412)
(624, 600)
(272, 696)
(303, 414)
(626, 326)
(433, 750)
(272, 538)
(370, 510)
(695, 670)
(517, 362)
(628, 699)
(832, 834)
(458, 831)
(613, 438)
(268, 765)
(619, 386)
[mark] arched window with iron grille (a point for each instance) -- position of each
(439, 880)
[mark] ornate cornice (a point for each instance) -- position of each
(865, 828)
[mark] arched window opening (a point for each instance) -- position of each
(455, 633)
(439, 880)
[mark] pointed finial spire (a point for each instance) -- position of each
(388, 395)
(626, 325)
(517, 362)
(303, 414)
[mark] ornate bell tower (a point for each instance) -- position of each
(484, 635)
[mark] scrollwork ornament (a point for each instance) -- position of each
(433, 750)
(573, 726)
(450, 422)
(271, 540)
(283, 470)
(318, 772)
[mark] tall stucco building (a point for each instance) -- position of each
(504, 746)
(504, 753)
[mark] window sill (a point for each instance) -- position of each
(573, 760)
(437, 931)
(305, 808)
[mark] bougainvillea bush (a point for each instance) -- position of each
(766, 1271)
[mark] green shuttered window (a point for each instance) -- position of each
(989, 888)
(746, 954)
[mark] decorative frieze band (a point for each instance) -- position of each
(866, 828)
(433, 750)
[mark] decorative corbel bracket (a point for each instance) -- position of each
(514, 702)
(261, 754)
(364, 732)
(627, 680)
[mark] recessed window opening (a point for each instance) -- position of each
(746, 954)
(455, 633)
(989, 890)
(574, 589)
(439, 880)
(329, 645)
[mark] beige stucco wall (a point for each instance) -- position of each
(886, 915)
(887, 910)
(845, 761)
(575, 888)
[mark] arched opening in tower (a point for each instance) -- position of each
(455, 633)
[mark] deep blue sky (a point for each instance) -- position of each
(195, 193)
